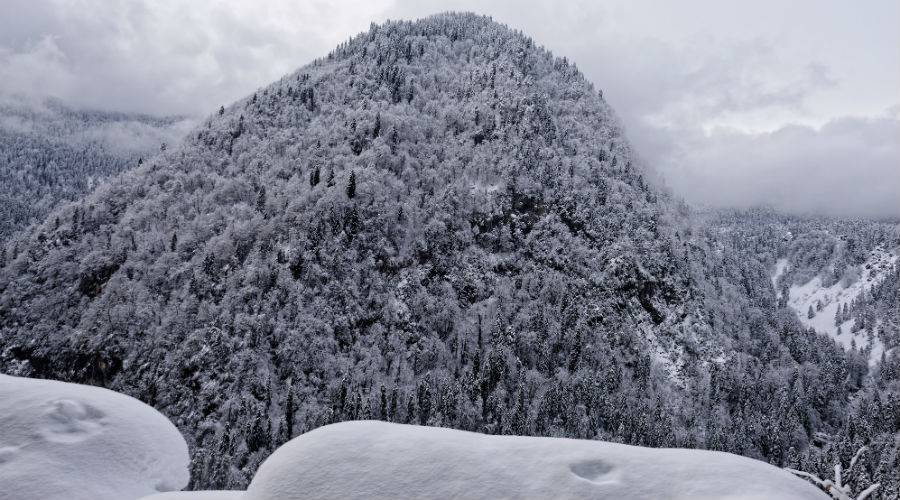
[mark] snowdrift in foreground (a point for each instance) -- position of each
(61, 441)
(197, 495)
(381, 460)
(66, 441)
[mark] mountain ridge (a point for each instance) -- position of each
(50, 154)
(497, 263)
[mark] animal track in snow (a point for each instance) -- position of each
(595, 471)
(70, 421)
(7, 453)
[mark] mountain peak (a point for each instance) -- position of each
(438, 206)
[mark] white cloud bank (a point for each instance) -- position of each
(849, 167)
(760, 103)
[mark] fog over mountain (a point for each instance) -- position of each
(849, 167)
(793, 106)
(50, 154)
(442, 223)
(265, 222)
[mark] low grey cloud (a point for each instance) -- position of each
(672, 100)
(731, 105)
(162, 57)
(847, 167)
(119, 133)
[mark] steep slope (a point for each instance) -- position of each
(829, 309)
(439, 223)
(825, 262)
(820, 265)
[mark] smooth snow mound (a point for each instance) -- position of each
(373, 460)
(197, 495)
(61, 441)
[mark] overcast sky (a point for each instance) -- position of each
(793, 104)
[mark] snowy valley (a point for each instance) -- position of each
(825, 308)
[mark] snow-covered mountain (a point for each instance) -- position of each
(439, 223)
(825, 262)
(50, 154)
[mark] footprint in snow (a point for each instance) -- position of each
(595, 471)
(7, 453)
(69, 421)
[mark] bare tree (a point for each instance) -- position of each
(837, 489)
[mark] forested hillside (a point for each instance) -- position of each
(50, 154)
(855, 257)
(439, 223)
(842, 279)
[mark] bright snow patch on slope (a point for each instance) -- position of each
(780, 268)
(61, 441)
(800, 298)
(381, 460)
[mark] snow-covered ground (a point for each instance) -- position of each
(198, 495)
(800, 298)
(61, 441)
(371, 460)
(780, 268)
(66, 441)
